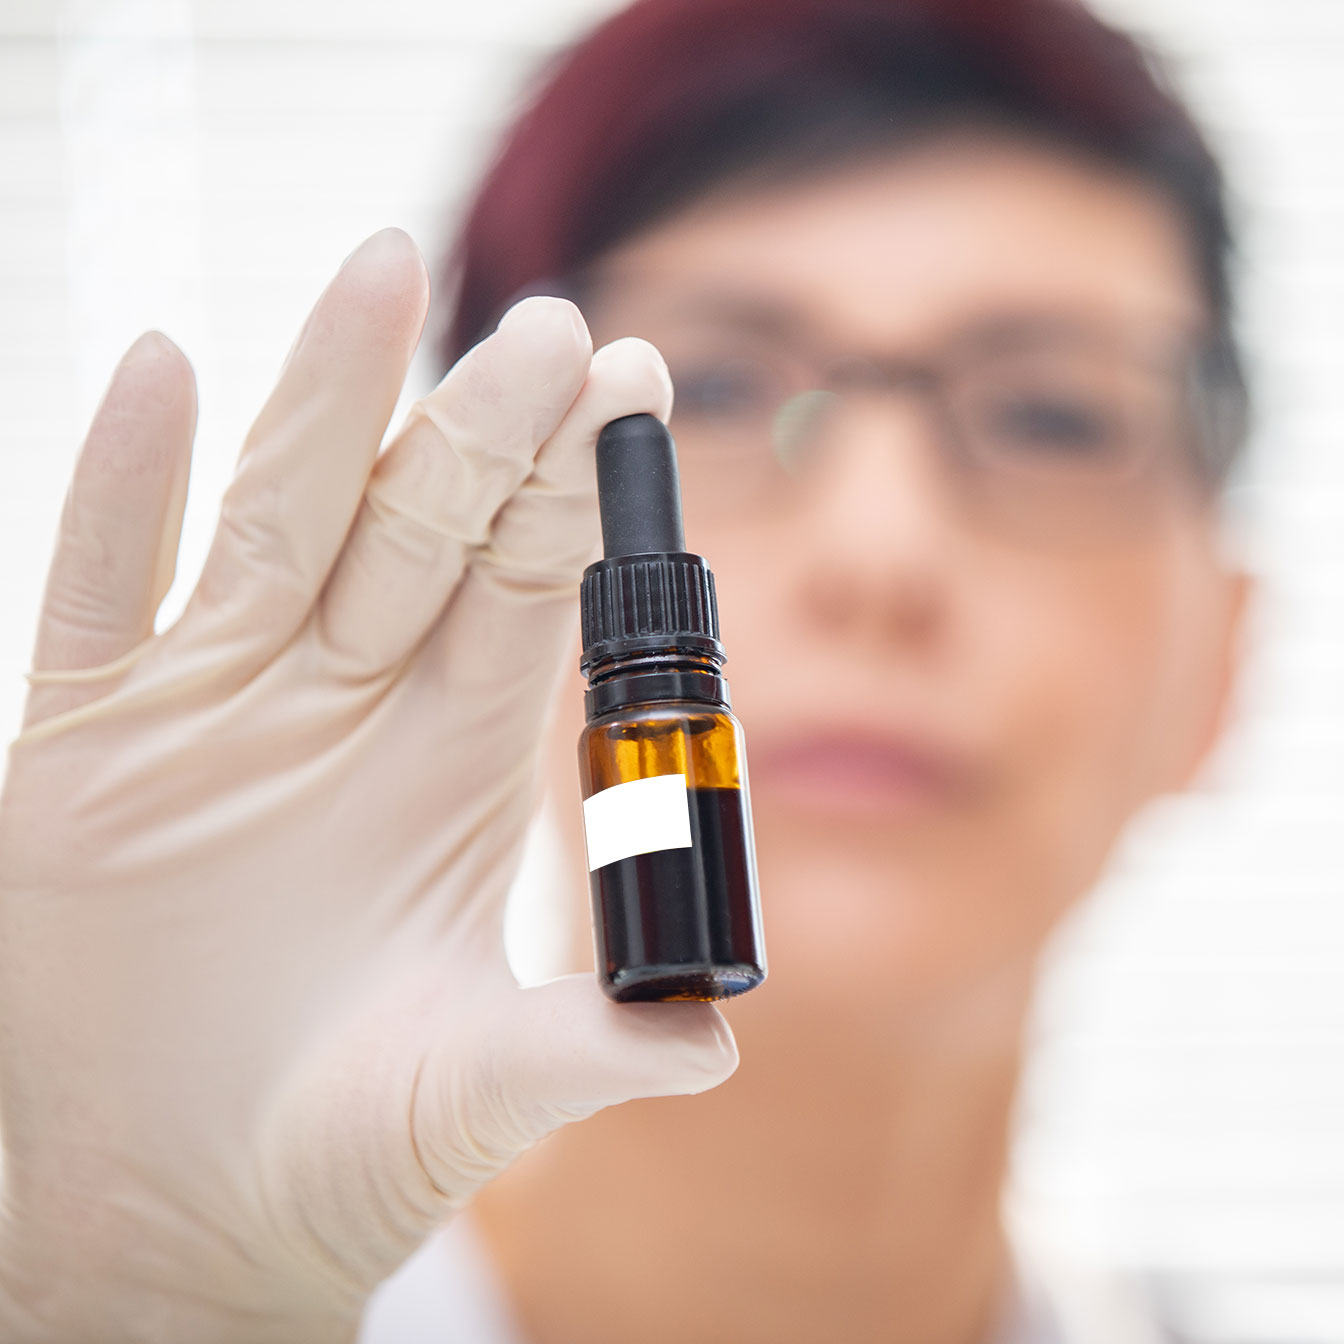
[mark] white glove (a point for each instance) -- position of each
(257, 1030)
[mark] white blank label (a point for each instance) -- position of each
(637, 817)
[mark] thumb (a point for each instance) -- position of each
(560, 1051)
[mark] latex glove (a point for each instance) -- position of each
(259, 1033)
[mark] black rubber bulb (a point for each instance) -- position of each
(638, 487)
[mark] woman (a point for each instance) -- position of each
(942, 293)
(972, 624)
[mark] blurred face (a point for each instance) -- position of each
(935, 445)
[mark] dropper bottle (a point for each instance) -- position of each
(662, 760)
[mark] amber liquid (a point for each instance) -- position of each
(681, 923)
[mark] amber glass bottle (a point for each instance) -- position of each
(662, 760)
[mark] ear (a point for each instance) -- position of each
(1218, 694)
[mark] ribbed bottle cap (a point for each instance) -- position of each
(632, 603)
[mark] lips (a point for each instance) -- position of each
(843, 770)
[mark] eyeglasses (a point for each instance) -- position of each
(1052, 430)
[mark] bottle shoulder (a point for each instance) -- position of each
(703, 742)
(682, 714)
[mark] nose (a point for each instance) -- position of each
(877, 536)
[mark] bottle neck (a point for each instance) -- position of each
(645, 676)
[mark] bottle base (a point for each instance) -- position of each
(682, 983)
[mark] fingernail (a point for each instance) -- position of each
(146, 348)
(384, 242)
(388, 240)
(545, 303)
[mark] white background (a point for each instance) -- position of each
(203, 167)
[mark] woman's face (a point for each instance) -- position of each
(963, 658)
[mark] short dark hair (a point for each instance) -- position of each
(669, 98)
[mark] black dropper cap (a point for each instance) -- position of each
(638, 487)
(648, 594)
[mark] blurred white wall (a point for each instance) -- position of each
(203, 165)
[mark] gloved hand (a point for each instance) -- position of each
(257, 1030)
